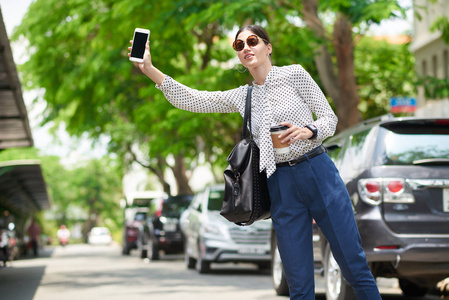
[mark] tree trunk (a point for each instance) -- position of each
(342, 89)
(323, 58)
(179, 171)
(208, 39)
(161, 164)
(347, 110)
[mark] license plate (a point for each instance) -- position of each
(446, 200)
(170, 227)
(251, 250)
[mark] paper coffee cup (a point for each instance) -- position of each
(278, 146)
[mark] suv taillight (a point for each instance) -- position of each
(389, 190)
(131, 234)
(158, 212)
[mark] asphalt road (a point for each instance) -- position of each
(101, 272)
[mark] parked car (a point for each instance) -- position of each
(99, 236)
(136, 214)
(210, 238)
(396, 171)
(133, 225)
(162, 231)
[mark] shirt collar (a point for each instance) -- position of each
(270, 76)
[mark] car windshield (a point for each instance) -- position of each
(100, 231)
(409, 149)
(174, 206)
(140, 216)
(215, 200)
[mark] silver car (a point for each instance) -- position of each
(210, 238)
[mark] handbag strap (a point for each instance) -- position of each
(247, 115)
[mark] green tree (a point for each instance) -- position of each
(92, 87)
(61, 189)
(19, 154)
(334, 55)
(78, 55)
(97, 189)
(383, 71)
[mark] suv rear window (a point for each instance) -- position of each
(175, 205)
(140, 216)
(416, 143)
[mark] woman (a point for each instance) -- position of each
(304, 183)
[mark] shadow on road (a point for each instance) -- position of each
(19, 281)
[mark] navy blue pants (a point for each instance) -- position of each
(314, 189)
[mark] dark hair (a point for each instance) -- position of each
(258, 30)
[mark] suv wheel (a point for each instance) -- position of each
(337, 288)
(410, 289)
(144, 253)
(264, 266)
(201, 265)
(126, 250)
(144, 247)
(277, 272)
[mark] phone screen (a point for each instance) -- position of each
(138, 48)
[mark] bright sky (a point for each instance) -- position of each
(13, 12)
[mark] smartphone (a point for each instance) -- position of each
(140, 39)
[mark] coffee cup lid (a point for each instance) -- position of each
(278, 128)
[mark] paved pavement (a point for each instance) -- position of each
(21, 278)
(99, 272)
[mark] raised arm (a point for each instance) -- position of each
(147, 66)
(186, 98)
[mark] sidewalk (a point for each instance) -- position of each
(20, 278)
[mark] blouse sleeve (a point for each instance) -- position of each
(186, 98)
(326, 121)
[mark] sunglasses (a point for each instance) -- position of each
(251, 41)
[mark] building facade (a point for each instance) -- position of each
(431, 54)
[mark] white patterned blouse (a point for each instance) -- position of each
(289, 94)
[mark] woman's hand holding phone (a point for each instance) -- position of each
(146, 62)
(146, 65)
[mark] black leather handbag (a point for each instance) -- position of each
(246, 197)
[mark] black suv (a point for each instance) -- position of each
(396, 171)
(162, 230)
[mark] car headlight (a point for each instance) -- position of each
(210, 230)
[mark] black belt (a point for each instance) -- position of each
(310, 154)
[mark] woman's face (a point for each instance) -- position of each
(252, 57)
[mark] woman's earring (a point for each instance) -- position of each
(240, 70)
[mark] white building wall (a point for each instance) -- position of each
(431, 54)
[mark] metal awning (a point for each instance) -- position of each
(22, 187)
(14, 125)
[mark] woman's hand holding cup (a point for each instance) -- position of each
(294, 133)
